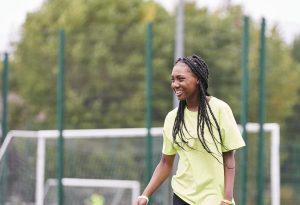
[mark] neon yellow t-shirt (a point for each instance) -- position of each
(199, 179)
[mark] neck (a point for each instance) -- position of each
(193, 105)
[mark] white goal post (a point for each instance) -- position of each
(42, 135)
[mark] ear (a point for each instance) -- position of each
(198, 81)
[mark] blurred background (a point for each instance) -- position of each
(105, 56)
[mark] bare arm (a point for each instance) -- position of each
(229, 174)
(161, 173)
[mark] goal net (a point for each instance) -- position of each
(93, 191)
(28, 168)
(29, 161)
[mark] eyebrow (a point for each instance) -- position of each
(180, 75)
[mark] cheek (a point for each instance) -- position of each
(192, 87)
(173, 85)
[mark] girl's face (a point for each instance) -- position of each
(184, 82)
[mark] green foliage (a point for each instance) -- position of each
(104, 64)
(282, 73)
(296, 49)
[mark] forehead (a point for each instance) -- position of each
(181, 69)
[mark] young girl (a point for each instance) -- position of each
(203, 132)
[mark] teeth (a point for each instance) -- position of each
(178, 92)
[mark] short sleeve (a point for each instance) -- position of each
(168, 145)
(231, 136)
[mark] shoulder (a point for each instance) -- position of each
(170, 118)
(169, 121)
(220, 104)
(172, 114)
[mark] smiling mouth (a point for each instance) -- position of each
(178, 93)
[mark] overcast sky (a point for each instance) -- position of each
(284, 13)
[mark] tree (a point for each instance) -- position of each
(296, 49)
(104, 64)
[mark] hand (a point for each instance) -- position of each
(223, 203)
(141, 202)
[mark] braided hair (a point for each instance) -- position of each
(200, 69)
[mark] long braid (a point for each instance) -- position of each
(200, 69)
(179, 124)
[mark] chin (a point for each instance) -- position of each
(181, 98)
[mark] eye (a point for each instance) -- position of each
(181, 79)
